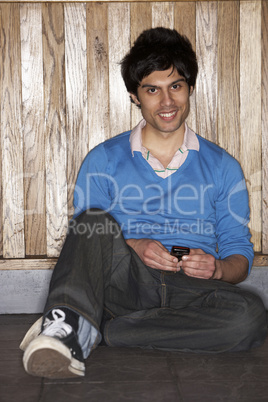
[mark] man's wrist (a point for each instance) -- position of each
(232, 269)
(131, 242)
(218, 270)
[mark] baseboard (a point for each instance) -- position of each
(25, 291)
(257, 282)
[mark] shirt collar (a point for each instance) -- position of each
(190, 140)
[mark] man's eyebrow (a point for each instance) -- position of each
(156, 86)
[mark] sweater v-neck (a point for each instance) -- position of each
(158, 179)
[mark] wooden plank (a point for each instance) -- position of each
(27, 264)
(76, 92)
(119, 44)
(264, 127)
(183, 13)
(98, 73)
(141, 19)
(228, 77)
(250, 116)
(103, 1)
(184, 20)
(11, 134)
(33, 128)
(2, 44)
(55, 129)
(163, 15)
(260, 260)
(206, 88)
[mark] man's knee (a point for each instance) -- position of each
(249, 321)
(94, 221)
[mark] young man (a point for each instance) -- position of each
(137, 195)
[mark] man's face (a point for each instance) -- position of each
(164, 100)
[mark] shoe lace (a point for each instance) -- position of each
(56, 327)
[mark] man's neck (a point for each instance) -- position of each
(162, 146)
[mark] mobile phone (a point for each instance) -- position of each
(178, 251)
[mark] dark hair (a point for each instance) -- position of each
(158, 49)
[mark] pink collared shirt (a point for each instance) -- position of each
(190, 141)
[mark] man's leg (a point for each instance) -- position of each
(94, 272)
(97, 269)
(195, 315)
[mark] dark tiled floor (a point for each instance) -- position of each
(117, 374)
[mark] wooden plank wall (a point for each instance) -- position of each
(61, 93)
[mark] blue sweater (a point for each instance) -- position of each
(202, 205)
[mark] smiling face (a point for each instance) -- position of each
(164, 100)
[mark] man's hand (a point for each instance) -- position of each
(154, 254)
(198, 264)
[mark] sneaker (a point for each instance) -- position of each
(55, 352)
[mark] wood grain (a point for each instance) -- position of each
(76, 92)
(27, 264)
(250, 115)
(184, 23)
(33, 128)
(260, 260)
(206, 87)
(105, 1)
(119, 44)
(163, 15)
(61, 93)
(228, 77)
(11, 134)
(97, 73)
(2, 44)
(141, 19)
(55, 127)
(264, 127)
(185, 20)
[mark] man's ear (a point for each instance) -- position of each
(191, 90)
(135, 99)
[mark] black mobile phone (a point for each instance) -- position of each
(178, 251)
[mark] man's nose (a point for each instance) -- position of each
(167, 99)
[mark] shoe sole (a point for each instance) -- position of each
(48, 357)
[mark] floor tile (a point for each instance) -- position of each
(133, 374)
(112, 392)
(216, 368)
(126, 369)
(224, 391)
(21, 392)
(12, 372)
(116, 353)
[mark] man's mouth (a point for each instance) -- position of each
(168, 116)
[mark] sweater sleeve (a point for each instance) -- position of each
(92, 189)
(232, 211)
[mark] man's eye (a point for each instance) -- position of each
(152, 90)
(175, 86)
